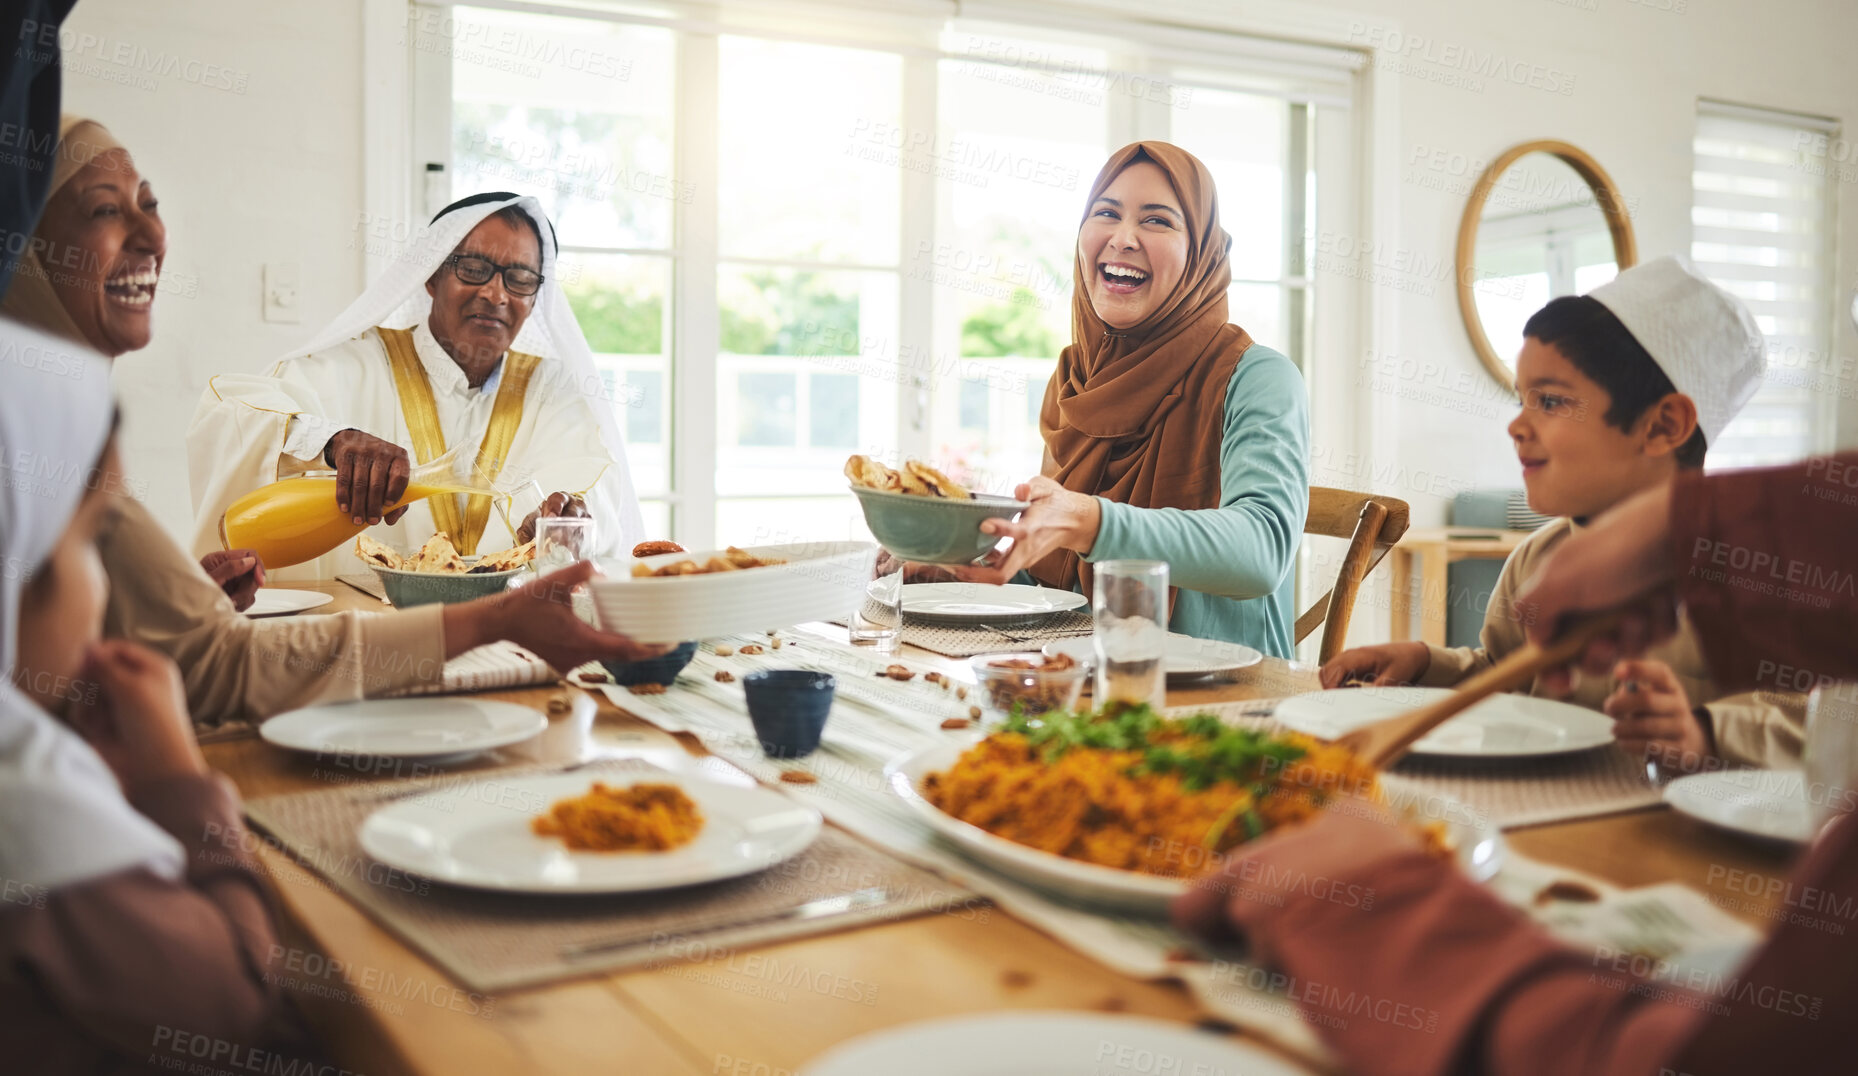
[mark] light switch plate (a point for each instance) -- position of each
(282, 297)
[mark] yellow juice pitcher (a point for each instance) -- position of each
(296, 519)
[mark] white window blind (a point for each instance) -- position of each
(1761, 226)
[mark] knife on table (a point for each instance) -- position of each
(824, 908)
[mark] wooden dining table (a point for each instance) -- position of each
(396, 1012)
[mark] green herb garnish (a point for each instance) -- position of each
(1201, 749)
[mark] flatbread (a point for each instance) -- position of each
(369, 551)
(437, 555)
(867, 472)
(917, 479)
(936, 480)
(508, 559)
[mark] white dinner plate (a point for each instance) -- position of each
(1187, 659)
(985, 603)
(272, 601)
(434, 728)
(476, 833)
(1502, 726)
(1478, 845)
(1760, 803)
(1046, 1044)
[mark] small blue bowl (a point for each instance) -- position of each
(788, 707)
(662, 669)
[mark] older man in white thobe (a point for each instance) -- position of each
(465, 344)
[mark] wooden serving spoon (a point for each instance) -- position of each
(1384, 741)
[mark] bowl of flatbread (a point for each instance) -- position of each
(437, 573)
(920, 514)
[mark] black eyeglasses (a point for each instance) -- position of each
(475, 271)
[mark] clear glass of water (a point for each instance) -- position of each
(1831, 761)
(1129, 600)
(561, 541)
(878, 620)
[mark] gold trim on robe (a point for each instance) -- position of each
(422, 422)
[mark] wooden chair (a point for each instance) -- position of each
(1372, 525)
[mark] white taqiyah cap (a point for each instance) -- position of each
(1703, 338)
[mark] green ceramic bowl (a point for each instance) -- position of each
(932, 530)
(407, 589)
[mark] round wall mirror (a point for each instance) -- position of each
(1544, 220)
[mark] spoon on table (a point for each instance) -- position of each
(1384, 741)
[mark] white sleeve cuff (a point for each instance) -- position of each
(307, 435)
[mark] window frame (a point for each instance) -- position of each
(1315, 74)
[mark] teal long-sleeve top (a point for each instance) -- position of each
(1233, 564)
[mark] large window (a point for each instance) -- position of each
(1761, 226)
(590, 135)
(784, 251)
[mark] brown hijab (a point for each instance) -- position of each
(31, 298)
(1137, 415)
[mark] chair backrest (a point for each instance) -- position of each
(1372, 524)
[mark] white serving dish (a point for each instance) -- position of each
(1478, 845)
(819, 581)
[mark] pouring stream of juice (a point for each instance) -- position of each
(295, 520)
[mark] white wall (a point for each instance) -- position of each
(272, 174)
(275, 174)
(1636, 73)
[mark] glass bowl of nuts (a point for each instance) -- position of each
(1031, 683)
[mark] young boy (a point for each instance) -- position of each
(1622, 388)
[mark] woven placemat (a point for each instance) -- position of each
(1513, 793)
(497, 941)
(961, 642)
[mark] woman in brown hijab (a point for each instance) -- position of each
(1169, 434)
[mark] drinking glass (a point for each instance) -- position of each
(1831, 761)
(1130, 604)
(561, 541)
(878, 620)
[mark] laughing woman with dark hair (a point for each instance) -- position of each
(1169, 434)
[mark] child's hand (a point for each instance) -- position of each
(1654, 717)
(137, 716)
(1383, 665)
